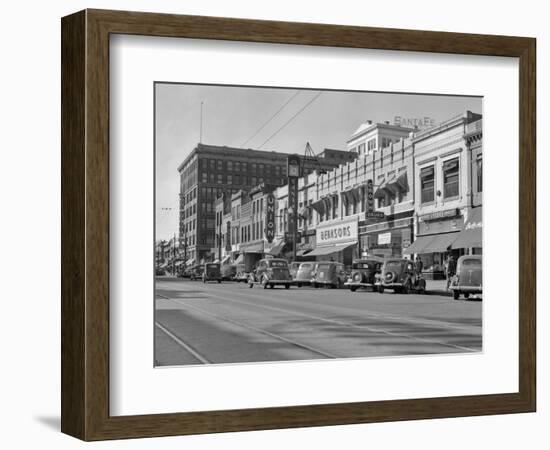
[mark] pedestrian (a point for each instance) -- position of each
(418, 266)
(451, 269)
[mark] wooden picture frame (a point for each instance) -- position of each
(85, 224)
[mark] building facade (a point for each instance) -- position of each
(209, 171)
(395, 192)
(448, 189)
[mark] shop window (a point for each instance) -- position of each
(427, 181)
(479, 173)
(450, 178)
(335, 207)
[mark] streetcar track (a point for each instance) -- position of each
(341, 323)
(372, 314)
(182, 344)
(255, 329)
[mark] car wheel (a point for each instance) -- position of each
(287, 286)
(299, 285)
(219, 281)
(381, 289)
(456, 294)
(315, 285)
(353, 288)
(466, 295)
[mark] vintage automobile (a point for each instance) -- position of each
(399, 275)
(196, 272)
(271, 272)
(293, 268)
(304, 274)
(468, 279)
(329, 273)
(241, 274)
(228, 271)
(212, 272)
(363, 274)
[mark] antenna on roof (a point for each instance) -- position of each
(308, 152)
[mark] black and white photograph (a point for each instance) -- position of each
(296, 224)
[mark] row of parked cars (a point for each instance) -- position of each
(396, 274)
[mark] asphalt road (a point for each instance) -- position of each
(211, 323)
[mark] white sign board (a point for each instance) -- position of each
(384, 238)
(336, 232)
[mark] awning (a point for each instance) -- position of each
(319, 206)
(440, 243)
(400, 183)
(253, 248)
(472, 235)
(418, 245)
(179, 263)
(381, 191)
(276, 248)
(240, 259)
(435, 243)
(327, 250)
(226, 259)
(190, 262)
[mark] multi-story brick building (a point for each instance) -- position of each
(210, 170)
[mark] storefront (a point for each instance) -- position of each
(436, 233)
(470, 239)
(336, 241)
(388, 238)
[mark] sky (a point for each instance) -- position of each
(234, 116)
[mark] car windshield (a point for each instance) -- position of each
(363, 265)
(279, 264)
(393, 264)
(471, 263)
(323, 266)
(212, 266)
(306, 266)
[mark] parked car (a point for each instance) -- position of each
(271, 272)
(399, 275)
(241, 274)
(329, 273)
(228, 271)
(212, 272)
(160, 272)
(293, 267)
(196, 272)
(304, 274)
(469, 276)
(363, 274)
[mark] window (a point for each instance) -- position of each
(220, 164)
(371, 145)
(229, 179)
(204, 177)
(427, 184)
(450, 178)
(229, 165)
(219, 178)
(479, 173)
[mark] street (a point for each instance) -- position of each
(213, 323)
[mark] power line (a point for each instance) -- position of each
(291, 119)
(270, 119)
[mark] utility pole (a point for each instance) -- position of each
(200, 136)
